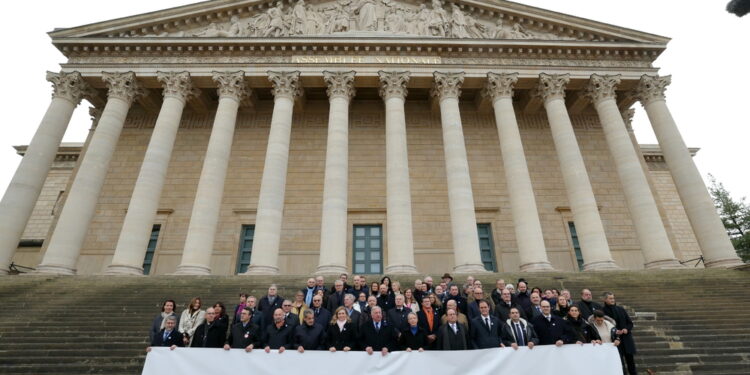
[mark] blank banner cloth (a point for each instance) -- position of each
(568, 359)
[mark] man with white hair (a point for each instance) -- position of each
(377, 335)
(210, 334)
(398, 314)
(270, 302)
(168, 336)
(309, 291)
(336, 298)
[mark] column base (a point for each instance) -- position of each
(261, 270)
(664, 264)
(401, 269)
(537, 267)
(329, 269)
(606, 265)
(55, 269)
(192, 269)
(123, 269)
(724, 263)
(469, 268)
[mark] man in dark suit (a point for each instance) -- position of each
(309, 335)
(453, 293)
(322, 315)
(210, 334)
(586, 305)
(523, 297)
(502, 309)
(353, 314)
(429, 321)
(452, 335)
(485, 329)
(517, 332)
(257, 315)
(290, 318)
(168, 336)
(377, 335)
(243, 334)
(269, 303)
(336, 298)
(552, 329)
(535, 309)
(397, 315)
(385, 299)
(473, 306)
(277, 335)
(623, 328)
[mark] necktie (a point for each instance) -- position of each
(487, 322)
(377, 326)
(519, 335)
(166, 334)
(453, 326)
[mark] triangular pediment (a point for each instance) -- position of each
(482, 19)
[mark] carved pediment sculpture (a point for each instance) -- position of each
(364, 18)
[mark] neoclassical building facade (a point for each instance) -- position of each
(365, 136)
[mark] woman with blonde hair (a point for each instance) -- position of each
(299, 306)
(191, 318)
(410, 301)
(341, 333)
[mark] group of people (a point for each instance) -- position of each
(384, 317)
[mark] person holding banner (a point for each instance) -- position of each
(552, 329)
(453, 334)
(413, 337)
(279, 334)
(309, 335)
(168, 336)
(210, 334)
(377, 335)
(518, 332)
(341, 333)
(485, 329)
(243, 334)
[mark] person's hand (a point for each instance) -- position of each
(431, 338)
(226, 347)
(384, 351)
(185, 340)
(408, 349)
(249, 348)
(597, 342)
(301, 349)
(531, 345)
(267, 349)
(346, 348)
(514, 346)
(579, 343)
(619, 332)
(502, 345)
(281, 349)
(559, 343)
(369, 350)
(624, 331)
(173, 347)
(148, 349)
(421, 349)
(617, 342)
(332, 349)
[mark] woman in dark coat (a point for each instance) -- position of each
(584, 332)
(341, 333)
(562, 307)
(167, 309)
(413, 337)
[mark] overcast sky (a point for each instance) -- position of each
(709, 95)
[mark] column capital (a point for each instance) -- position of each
(177, 85)
(447, 85)
(122, 86)
(602, 87)
(500, 85)
(69, 86)
(393, 84)
(552, 86)
(340, 84)
(627, 118)
(231, 84)
(285, 84)
(652, 88)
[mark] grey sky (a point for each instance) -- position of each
(708, 96)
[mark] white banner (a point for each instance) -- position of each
(548, 359)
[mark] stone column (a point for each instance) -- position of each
(447, 88)
(139, 220)
(399, 235)
(583, 205)
(712, 237)
(73, 224)
(655, 245)
(531, 250)
(199, 243)
(333, 228)
(24, 189)
(265, 253)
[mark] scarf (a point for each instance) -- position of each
(164, 319)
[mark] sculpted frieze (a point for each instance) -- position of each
(364, 18)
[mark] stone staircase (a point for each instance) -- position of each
(687, 321)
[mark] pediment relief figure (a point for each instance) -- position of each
(365, 18)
